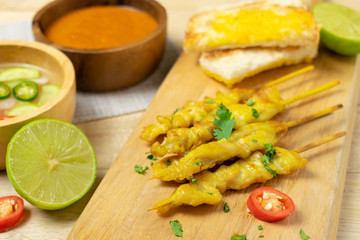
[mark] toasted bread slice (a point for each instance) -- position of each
(251, 25)
(232, 66)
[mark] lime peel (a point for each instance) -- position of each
(51, 163)
(340, 30)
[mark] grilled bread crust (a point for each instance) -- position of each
(233, 65)
(269, 26)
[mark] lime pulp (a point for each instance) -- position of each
(51, 163)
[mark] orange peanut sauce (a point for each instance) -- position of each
(100, 27)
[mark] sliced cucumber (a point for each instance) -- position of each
(19, 73)
(48, 92)
(22, 109)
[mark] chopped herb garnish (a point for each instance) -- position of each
(172, 115)
(186, 153)
(270, 151)
(203, 115)
(254, 140)
(198, 163)
(151, 157)
(140, 170)
(210, 101)
(261, 236)
(272, 171)
(224, 122)
(260, 227)
(212, 114)
(226, 208)
(168, 162)
(193, 180)
(176, 227)
(210, 193)
(171, 118)
(303, 235)
(238, 237)
(255, 112)
(151, 163)
(250, 102)
(268, 158)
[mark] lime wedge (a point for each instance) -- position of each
(340, 30)
(19, 73)
(51, 163)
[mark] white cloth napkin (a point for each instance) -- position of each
(92, 106)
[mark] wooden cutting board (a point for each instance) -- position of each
(119, 207)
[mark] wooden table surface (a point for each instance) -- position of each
(109, 135)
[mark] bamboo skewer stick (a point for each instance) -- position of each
(290, 75)
(319, 142)
(311, 92)
(313, 116)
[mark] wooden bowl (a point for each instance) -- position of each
(62, 106)
(111, 68)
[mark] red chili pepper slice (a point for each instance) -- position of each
(11, 211)
(5, 117)
(270, 205)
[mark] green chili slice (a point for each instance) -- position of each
(5, 91)
(26, 91)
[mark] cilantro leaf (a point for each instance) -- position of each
(224, 122)
(254, 112)
(272, 171)
(151, 157)
(140, 170)
(210, 101)
(254, 140)
(238, 237)
(168, 162)
(198, 163)
(303, 235)
(210, 193)
(250, 102)
(176, 227)
(226, 208)
(270, 151)
(260, 227)
(193, 180)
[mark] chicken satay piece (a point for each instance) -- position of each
(242, 143)
(181, 140)
(192, 112)
(207, 187)
(266, 102)
(262, 106)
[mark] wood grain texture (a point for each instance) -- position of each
(118, 209)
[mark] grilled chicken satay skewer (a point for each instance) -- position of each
(209, 186)
(241, 144)
(264, 105)
(194, 111)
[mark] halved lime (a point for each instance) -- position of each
(51, 163)
(340, 30)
